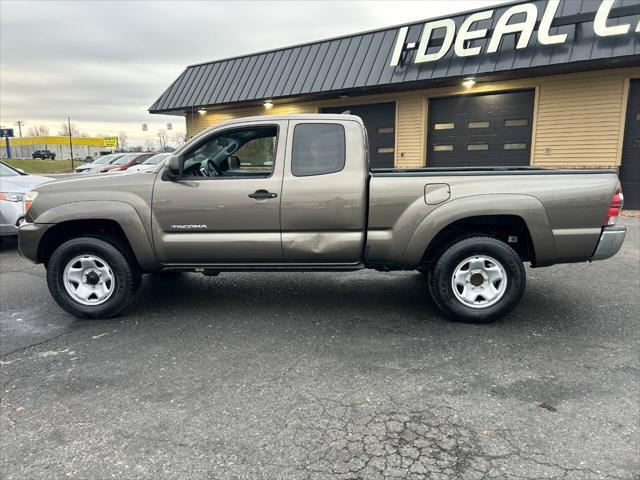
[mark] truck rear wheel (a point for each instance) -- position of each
(478, 280)
(90, 278)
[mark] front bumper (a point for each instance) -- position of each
(29, 237)
(611, 240)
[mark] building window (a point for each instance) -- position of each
(385, 130)
(443, 148)
(514, 146)
(477, 146)
(385, 149)
(318, 149)
(517, 122)
(479, 124)
(444, 126)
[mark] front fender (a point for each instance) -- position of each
(123, 213)
(529, 208)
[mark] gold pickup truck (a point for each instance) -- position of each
(295, 193)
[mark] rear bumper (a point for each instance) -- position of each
(611, 240)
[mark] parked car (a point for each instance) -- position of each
(98, 163)
(292, 193)
(14, 183)
(88, 159)
(125, 161)
(150, 163)
(43, 154)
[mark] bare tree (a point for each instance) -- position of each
(39, 131)
(162, 139)
(180, 138)
(122, 140)
(64, 130)
(149, 145)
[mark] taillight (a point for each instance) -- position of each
(615, 207)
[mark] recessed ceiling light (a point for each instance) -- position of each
(202, 111)
(469, 82)
(268, 104)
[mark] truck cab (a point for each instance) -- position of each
(266, 192)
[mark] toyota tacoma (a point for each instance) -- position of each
(295, 193)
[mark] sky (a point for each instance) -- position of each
(103, 63)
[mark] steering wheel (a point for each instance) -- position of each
(211, 169)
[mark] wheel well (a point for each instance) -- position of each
(107, 230)
(500, 227)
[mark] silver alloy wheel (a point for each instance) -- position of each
(89, 280)
(479, 281)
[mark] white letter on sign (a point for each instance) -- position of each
(600, 22)
(545, 24)
(422, 55)
(525, 28)
(397, 50)
(464, 35)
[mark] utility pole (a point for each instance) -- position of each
(19, 123)
(70, 141)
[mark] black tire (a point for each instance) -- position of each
(125, 277)
(441, 288)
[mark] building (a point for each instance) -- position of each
(82, 146)
(547, 83)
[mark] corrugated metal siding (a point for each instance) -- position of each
(362, 60)
(410, 132)
(580, 120)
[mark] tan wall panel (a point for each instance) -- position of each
(579, 119)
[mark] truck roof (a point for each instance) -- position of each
(293, 116)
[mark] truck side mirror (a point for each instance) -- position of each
(174, 166)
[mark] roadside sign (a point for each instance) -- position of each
(110, 141)
(6, 132)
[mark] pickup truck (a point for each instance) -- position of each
(295, 193)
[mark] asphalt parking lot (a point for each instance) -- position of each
(323, 376)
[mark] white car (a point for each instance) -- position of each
(14, 183)
(150, 163)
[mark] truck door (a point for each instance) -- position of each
(225, 208)
(324, 197)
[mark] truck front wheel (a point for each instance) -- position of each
(90, 278)
(477, 280)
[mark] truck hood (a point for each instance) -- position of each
(22, 183)
(134, 190)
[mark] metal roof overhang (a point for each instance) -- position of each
(360, 64)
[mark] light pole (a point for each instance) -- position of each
(19, 123)
(70, 142)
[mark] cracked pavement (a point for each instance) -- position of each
(323, 375)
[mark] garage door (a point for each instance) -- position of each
(630, 169)
(380, 120)
(480, 130)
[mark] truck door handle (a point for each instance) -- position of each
(262, 195)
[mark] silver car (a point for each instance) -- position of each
(14, 183)
(98, 163)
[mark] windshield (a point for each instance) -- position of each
(6, 171)
(105, 159)
(156, 159)
(125, 158)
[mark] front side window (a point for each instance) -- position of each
(242, 153)
(318, 149)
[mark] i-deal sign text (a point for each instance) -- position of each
(462, 39)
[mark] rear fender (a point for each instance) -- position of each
(529, 208)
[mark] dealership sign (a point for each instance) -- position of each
(461, 40)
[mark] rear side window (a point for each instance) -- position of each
(318, 149)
